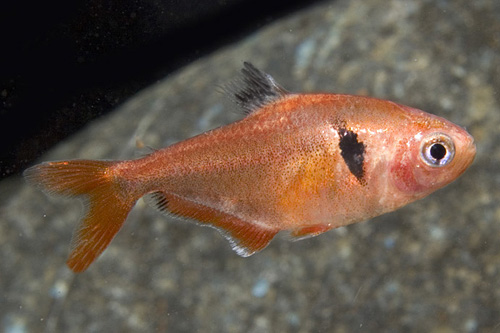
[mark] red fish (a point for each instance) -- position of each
(305, 163)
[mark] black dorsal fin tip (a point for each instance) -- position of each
(254, 89)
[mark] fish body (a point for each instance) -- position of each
(305, 163)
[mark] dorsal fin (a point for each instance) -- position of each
(254, 89)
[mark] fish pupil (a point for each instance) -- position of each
(438, 151)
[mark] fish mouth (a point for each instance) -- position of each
(472, 150)
(468, 151)
(470, 140)
(471, 147)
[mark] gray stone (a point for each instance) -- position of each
(433, 266)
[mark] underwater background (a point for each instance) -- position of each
(433, 266)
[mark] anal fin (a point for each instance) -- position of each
(246, 238)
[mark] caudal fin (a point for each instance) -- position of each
(107, 206)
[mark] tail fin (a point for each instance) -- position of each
(107, 204)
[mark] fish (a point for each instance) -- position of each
(303, 163)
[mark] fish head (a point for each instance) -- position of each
(431, 153)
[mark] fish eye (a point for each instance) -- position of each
(437, 150)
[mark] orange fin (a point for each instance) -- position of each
(107, 206)
(309, 231)
(246, 238)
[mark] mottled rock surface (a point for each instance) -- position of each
(433, 266)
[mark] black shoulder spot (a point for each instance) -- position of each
(254, 89)
(352, 152)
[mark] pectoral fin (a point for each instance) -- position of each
(309, 231)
